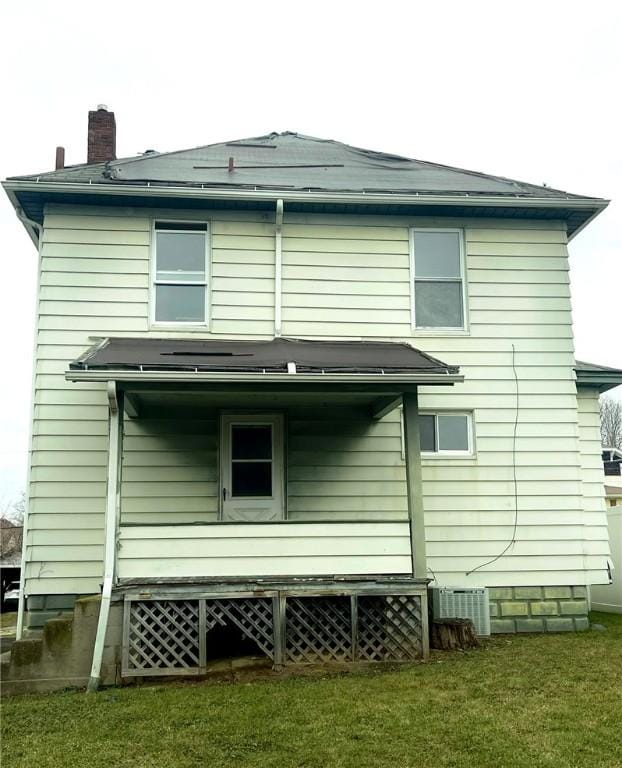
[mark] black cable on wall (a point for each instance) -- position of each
(516, 411)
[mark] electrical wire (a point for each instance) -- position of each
(513, 539)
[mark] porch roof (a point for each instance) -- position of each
(280, 359)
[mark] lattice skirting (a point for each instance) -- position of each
(172, 636)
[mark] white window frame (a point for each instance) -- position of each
(185, 324)
(469, 453)
(435, 330)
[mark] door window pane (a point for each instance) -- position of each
(180, 252)
(251, 478)
(437, 254)
(453, 432)
(251, 442)
(427, 435)
(180, 303)
(438, 305)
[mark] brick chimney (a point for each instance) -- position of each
(102, 141)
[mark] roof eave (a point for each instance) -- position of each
(163, 190)
(188, 377)
(30, 227)
(602, 381)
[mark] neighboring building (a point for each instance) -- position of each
(225, 336)
(612, 461)
(10, 554)
(609, 597)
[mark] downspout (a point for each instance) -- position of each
(35, 227)
(278, 265)
(115, 404)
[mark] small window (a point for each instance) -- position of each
(180, 274)
(446, 433)
(438, 290)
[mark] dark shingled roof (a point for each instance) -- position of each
(319, 175)
(292, 161)
(259, 356)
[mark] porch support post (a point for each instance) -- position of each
(113, 506)
(414, 486)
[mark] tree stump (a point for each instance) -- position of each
(452, 634)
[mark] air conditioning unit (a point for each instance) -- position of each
(462, 603)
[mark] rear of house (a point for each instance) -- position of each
(282, 384)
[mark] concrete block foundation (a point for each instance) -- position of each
(538, 609)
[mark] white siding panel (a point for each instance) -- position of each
(300, 549)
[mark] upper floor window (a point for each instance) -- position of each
(180, 273)
(438, 295)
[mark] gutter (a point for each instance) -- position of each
(188, 377)
(12, 187)
(155, 190)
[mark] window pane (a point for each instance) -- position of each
(453, 432)
(180, 303)
(437, 254)
(180, 251)
(438, 305)
(427, 437)
(251, 442)
(251, 478)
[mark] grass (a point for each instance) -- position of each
(517, 702)
(8, 619)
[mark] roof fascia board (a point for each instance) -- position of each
(153, 190)
(265, 378)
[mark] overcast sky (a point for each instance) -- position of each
(529, 90)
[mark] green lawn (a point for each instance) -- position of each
(8, 619)
(518, 702)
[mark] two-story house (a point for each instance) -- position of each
(283, 383)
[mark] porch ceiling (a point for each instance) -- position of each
(145, 402)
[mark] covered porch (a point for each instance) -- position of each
(286, 472)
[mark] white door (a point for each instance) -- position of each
(251, 467)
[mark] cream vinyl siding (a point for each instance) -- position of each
(343, 277)
(170, 468)
(95, 281)
(297, 549)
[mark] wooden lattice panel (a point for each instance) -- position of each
(389, 628)
(171, 636)
(162, 635)
(318, 629)
(253, 616)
